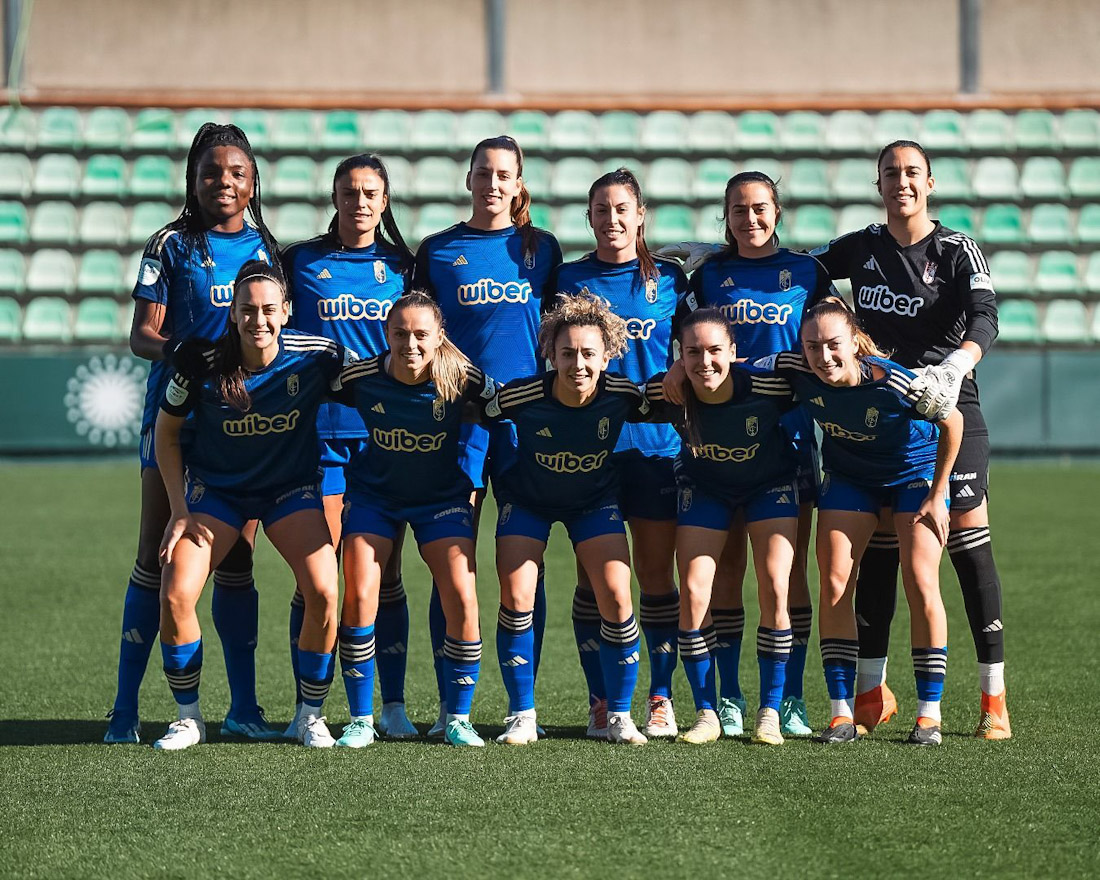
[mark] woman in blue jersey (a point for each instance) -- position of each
(762, 289)
(183, 292)
(643, 291)
(567, 422)
(489, 276)
(251, 454)
(878, 453)
(342, 286)
(412, 400)
(736, 461)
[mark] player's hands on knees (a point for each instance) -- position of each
(180, 527)
(935, 514)
(673, 383)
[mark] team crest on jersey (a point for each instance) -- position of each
(685, 500)
(292, 384)
(438, 409)
(604, 428)
(505, 513)
(379, 271)
(871, 418)
(752, 426)
(929, 272)
(785, 279)
(529, 260)
(651, 290)
(197, 491)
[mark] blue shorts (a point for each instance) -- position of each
(485, 452)
(236, 510)
(838, 493)
(336, 455)
(515, 520)
(697, 508)
(647, 484)
(147, 449)
(808, 472)
(369, 515)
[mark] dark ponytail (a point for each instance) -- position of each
(647, 268)
(520, 210)
(229, 371)
(392, 235)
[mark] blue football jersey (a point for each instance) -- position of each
(196, 293)
(490, 292)
(873, 436)
(344, 294)
(413, 458)
(740, 446)
(561, 464)
(648, 307)
(273, 445)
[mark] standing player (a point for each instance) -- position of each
(184, 289)
(489, 276)
(252, 455)
(568, 421)
(411, 399)
(923, 291)
(342, 286)
(643, 291)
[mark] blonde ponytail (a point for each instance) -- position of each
(449, 368)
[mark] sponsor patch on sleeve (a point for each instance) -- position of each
(175, 394)
(149, 271)
(980, 281)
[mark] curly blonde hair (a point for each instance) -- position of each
(583, 310)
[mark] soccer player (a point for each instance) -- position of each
(879, 452)
(183, 292)
(762, 289)
(643, 291)
(737, 459)
(924, 292)
(568, 422)
(489, 275)
(342, 286)
(252, 454)
(411, 399)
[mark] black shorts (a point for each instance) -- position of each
(970, 476)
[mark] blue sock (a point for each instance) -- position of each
(391, 628)
(297, 615)
(357, 666)
(659, 616)
(437, 630)
(183, 668)
(316, 670)
(802, 619)
(619, 660)
(539, 620)
(773, 648)
(462, 663)
(516, 654)
(140, 625)
(838, 656)
(699, 668)
(729, 628)
(930, 669)
(235, 608)
(586, 630)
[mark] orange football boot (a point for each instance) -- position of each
(993, 723)
(875, 707)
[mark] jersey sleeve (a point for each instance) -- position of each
(341, 386)
(823, 286)
(422, 273)
(690, 300)
(836, 256)
(774, 386)
(900, 382)
(975, 290)
(155, 269)
(661, 410)
(551, 290)
(637, 406)
(180, 395)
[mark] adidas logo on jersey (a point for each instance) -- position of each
(817, 401)
(378, 408)
(728, 283)
(324, 275)
(461, 261)
(545, 432)
(871, 264)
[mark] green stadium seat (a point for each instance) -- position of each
(849, 131)
(1011, 273)
(952, 179)
(809, 181)
(711, 132)
(13, 272)
(10, 320)
(942, 130)
(1084, 178)
(54, 223)
(322, 183)
(669, 180)
(960, 218)
(297, 222)
(403, 215)
(575, 131)
(400, 173)
(530, 128)
(1080, 129)
(536, 177)
(1092, 274)
(758, 130)
(388, 131)
(989, 131)
(1036, 131)
(1043, 177)
(47, 319)
(434, 217)
(541, 216)
(191, 121)
(803, 132)
(810, 227)
(97, 321)
(293, 131)
(573, 177)
(107, 128)
(154, 130)
(664, 132)
(853, 217)
(613, 163)
(995, 178)
(17, 126)
(1088, 224)
(60, 128)
(256, 124)
(104, 176)
(673, 223)
(474, 126)
(1056, 274)
(15, 175)
(895, 125)
(855, 180)
(621, 131)
(433, 131)
(1003, 224)
(438, 178)
(147, 218)
(572, 227)
(1018, 321)
(709, 225)
(771, 167)
(155, 177)
(103, 223)
(294, 178)
(1094, 325)
(711, 177)
(14, 223)
(101, 272)
(1066, 321)
(56, 174)
(1050, 224)
(342, 132)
